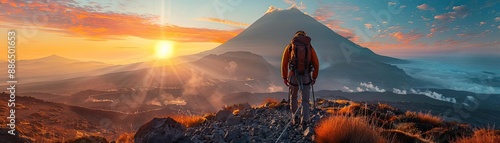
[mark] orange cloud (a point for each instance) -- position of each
(86, 22)
(406, 37)
(324, 14)
(223, 21)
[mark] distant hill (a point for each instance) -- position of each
(52, 67)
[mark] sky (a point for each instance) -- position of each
(129, 31)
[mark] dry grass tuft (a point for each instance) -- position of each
(346, 129)
(236, 112)
(355, 109)
(189, 121)
(396, 136)
(126, 138)
(425, 118)
(342, 101)
(385, 107)
(481, 136)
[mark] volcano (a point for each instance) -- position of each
(271, 33)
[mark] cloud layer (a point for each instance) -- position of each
(65, 17)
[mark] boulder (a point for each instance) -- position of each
(164, 130)
(222, 115)
(233, 120)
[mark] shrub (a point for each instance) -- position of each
(424, 118)
(88, 139)
(189, 121)
(346, 129)
(396, 136)
(355, 109)
(481, 136)
(126, 138)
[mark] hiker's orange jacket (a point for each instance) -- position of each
(285, 72)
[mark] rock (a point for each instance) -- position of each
(222, 115)
(255, 131)
(245, 138)
(218, 136)
(233, 120)
(246, 106)
(189, 131)
(184, 140)
(273, 121)
(231, 135)
(5, 136)
(196, 139)
(160, 130)
(308, 132)
(284, 101)
(248, 114)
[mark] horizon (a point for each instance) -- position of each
(103, 32)
(239, 71)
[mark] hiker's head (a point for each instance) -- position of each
(300, 33)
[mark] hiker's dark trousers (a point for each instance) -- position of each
(294, 91)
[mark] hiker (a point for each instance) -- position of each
(298, 62)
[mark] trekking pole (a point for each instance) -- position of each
(288, 124)
(314, 98)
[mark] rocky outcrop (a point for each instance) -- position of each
(160, 130)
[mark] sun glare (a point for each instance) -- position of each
(164, 49)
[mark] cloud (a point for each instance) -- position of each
(433, 31)
(348, 89)
(483, 34)
(406, 37)
(498, 27)
(67, 18)
(482, 23)
(465, 34)
(410, 22)
(391, 3)
(434, 95)
(398, 91)
(497, 19)
(359, 89)
(293, 3)
(458, 11)
(425, 7)
(223, 21)
(272, 9)
(370, 87)
(231, 67)
(324, 14)
(274, 88)
(368, 26)
(425, 19)
(402, 6)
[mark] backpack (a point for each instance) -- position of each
(300, 57)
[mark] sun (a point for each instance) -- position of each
(164, 49)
